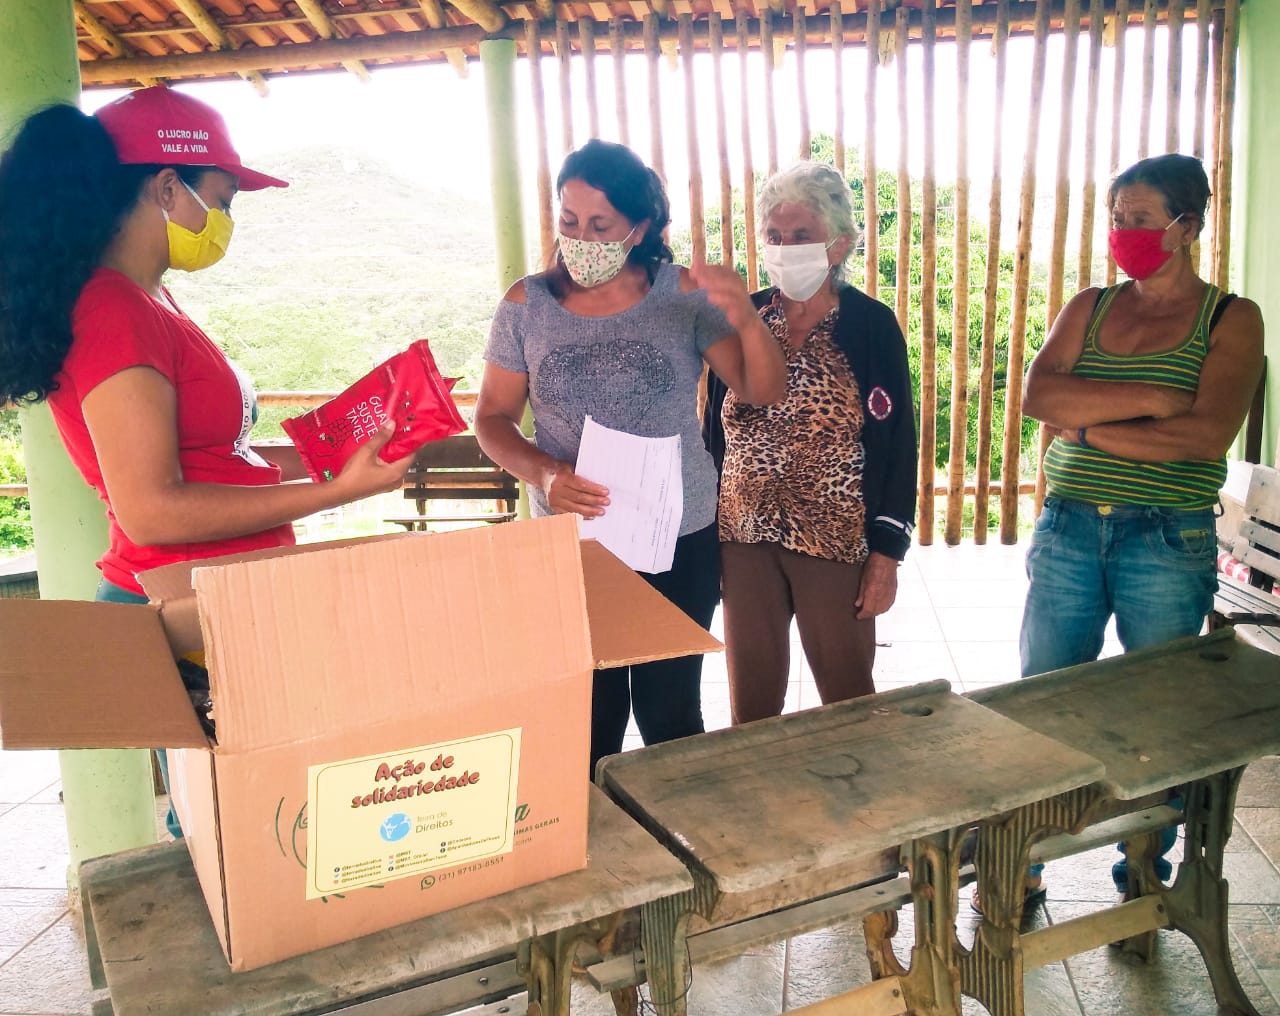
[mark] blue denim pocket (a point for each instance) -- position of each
(1047, 526)
(1184, 540)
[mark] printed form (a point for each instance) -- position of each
(646, 494)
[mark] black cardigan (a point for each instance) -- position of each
(867, 332)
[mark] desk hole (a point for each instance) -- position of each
(1215, 655)
(917, 711)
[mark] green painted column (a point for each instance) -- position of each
(110, 804)
(498, 56)
(1256, 199)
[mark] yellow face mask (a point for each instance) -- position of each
(190, 251)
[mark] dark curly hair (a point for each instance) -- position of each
(63, 196)
(634, 189)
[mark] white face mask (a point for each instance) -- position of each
(593, 262)
(798, 269)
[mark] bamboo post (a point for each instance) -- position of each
(1062, 203)
(1121, 23)
(587, 43)
(498, 58)
(1230, 40)
(802, 90)
(715, 38)
(618, 49)
(837, 64)
(1148, 75)
(748, 170)
(903, 303)
(533, 49)
(1089, 188)
(928, 284)
(653, 56)
(1009, 467)
(564, 50)
(1203, 22)
(1176, 14)
(697, 227)
(960, 306)
(770, 110)
(1215, 135)
(870, 194)
(990, 303)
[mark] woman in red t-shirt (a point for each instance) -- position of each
(93, 211)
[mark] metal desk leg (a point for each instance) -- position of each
(932, 986)
(547, 965)
(992, 971)
(663, 928)
(1197, 901)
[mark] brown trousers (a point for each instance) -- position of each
(763, 587)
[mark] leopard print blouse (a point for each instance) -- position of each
(793, 470)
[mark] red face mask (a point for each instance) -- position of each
(1140, 253)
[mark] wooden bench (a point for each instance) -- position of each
(152, 946)
(1256, 543)
(457, 470)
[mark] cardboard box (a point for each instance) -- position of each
(351, 684)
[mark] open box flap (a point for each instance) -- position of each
(304, 644)
(169, 587)
(75, 674)
(631, 622)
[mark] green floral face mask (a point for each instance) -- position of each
(593, 262)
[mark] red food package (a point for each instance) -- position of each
(407, 388)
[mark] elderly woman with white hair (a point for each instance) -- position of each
(817, 491)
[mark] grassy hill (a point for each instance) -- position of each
(345, 267)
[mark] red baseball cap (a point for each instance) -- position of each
(162, 126)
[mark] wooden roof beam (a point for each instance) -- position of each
(211, 30)
(545, 8)
(433, 11)
(326, 29)
(105, 37)
(485, 13)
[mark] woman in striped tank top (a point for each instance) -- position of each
(1143, 386)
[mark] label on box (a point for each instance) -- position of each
(382, 817)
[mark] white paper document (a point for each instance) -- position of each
(646, 494)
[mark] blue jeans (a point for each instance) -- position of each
(1153, 568)
(109, 592)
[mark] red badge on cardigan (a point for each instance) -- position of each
(879, 405)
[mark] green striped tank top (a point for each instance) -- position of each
(1087, 474)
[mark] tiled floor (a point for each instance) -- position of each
(956, 618)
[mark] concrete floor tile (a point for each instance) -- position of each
(1174, 983)
(51, 975)
(983, 664)
(1260, 784)
(23, 774)
(980, 624)
(1253, 878)
(825, 963)
(967, 592)
(1256, 936)
(33, 847)
(17, 897)
(747, 985)
(915, 625)
(913, 662)
(19, 925)
(1261, 826)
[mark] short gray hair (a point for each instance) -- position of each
(822, 190)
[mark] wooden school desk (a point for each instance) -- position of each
(152, 945)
